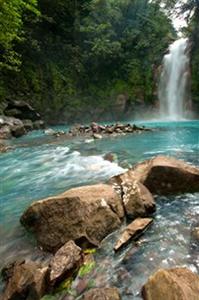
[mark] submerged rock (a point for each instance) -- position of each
(133, 230)
(164, 175)
(173, 284)
(67, 259)
(102, 294)
(26, 281)
(86, 215)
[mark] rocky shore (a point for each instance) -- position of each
(17, 118)
(98, 131)
(73, 224)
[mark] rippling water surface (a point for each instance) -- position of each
(41, 166)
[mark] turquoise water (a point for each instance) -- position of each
(41, 166)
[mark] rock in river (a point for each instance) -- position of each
(102, 294)
(173, 284)
(26, 281)
(133, 230)
(164, 175)
(67, 259)
(86, 215)
(137, 200)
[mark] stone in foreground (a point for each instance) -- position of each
(26, 281)
(173, 284)
(164, 175)
(102, 294)
(137, 199)
(85, 214)
(67, 259)
(133, 230)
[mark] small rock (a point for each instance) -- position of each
(5, 133)
(133, 230)
(102, 294)
(39, 124)
(110, 157)
(18, 131)
(49, 131)
(28, 125)
(67, 259)
(97, 136)
(4, 148)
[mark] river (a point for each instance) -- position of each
(41, 166)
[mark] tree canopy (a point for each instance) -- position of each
(65, 55)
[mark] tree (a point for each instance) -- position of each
(12, 13)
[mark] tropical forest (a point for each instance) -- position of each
(99, 149)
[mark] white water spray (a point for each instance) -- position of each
(174, 81)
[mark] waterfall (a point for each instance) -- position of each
(173, 90)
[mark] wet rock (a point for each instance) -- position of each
(133, 230)
(173, 284)
(97, 136)
(164, 175)
(26, 281)
(5, 132)
(28, 125)
(4, 148)
(110, 157)
(102, 294)
(137, 199)
(67, 259)
(85, 214)
(11, 127)
(38, 125)
(7, 271)
(18, 131)
(49, 131)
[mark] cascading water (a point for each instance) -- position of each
(173, 88)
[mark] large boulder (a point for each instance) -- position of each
(102, 294)
(21, 110)
(164, 175)
(11, 127)
(26, 281)
(66, 260)
(85, 214)
(133, 231)
(173, 284)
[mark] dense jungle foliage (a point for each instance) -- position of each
(71, 56)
